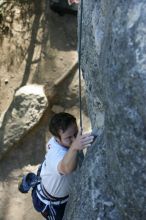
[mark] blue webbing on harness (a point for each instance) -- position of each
(50, 196)
(45, 197)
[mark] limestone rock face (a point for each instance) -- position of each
(111, 182)
(24, 113)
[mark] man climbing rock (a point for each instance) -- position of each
(51, 194)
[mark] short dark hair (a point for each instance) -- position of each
(60, 121)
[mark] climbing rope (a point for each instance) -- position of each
(79, 63)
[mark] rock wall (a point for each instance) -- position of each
(111, 182)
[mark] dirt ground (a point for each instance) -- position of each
(57, 59)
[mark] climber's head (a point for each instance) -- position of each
(64, 128)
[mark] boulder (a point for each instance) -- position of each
(24, 113)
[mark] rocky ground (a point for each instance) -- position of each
(25, 157)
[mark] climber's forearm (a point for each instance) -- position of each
(69, 163)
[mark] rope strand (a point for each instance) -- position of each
(79, 54)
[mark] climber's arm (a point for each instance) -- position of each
(69, 161)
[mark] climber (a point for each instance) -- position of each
(50, 194)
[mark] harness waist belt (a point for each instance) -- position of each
(50, 196)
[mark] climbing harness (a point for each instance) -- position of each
(79, 63)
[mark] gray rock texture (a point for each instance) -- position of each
(110, 185)
(24, 113)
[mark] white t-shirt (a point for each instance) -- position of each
(56, 184)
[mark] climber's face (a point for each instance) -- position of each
(68, 136)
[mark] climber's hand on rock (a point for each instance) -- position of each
(82, 141)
